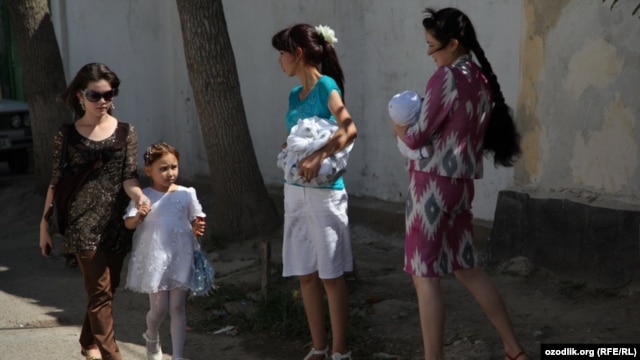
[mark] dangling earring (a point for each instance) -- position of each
(82, 106)
(113, 106)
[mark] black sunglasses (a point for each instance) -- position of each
(95, 96)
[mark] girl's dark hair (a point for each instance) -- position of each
(315, 50)
(501, 136)
(88, 73)
(157, 150)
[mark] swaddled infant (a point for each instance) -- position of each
(306, 137)
(404, 109)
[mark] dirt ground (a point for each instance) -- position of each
(545, 307)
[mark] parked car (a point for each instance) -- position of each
(15, 135)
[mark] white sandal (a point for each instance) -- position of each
(313, 352)
(338, 356)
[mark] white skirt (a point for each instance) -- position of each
(316, 232)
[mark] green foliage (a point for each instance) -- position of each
(279, 313)
(207, 313)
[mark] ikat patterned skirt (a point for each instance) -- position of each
(438, 229)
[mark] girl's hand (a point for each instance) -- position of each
(144, 209)
(310, 166)
(198, 226)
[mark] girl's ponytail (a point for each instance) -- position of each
(330, 65)
(316, 49)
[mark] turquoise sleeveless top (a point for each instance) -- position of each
(314, 104)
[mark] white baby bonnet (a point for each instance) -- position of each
(404, 107)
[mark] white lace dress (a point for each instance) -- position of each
(163, 244)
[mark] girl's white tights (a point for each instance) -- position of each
(171, 302)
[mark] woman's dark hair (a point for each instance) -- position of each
(501, 136)
(315, 50)
(88, 73)
(157, 150)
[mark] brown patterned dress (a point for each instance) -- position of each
(95, 221)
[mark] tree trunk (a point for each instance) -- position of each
(242, 207)
(44, 79)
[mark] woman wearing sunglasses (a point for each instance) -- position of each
(95, 231)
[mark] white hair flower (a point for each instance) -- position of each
(327, 34)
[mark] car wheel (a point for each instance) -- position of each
(19, 161)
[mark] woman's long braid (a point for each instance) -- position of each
(501, 136)
(498, 98)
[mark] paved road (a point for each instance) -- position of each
(42, 302)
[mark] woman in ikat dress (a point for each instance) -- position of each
(463, 114)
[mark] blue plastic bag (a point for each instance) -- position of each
(204, 276)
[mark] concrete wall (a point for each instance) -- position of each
(141, 41)
(579, 99)
(381, 48)
(576, 208)
(575, 240)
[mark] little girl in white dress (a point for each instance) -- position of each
(161, 262)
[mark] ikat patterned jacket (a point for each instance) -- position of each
(454, 115)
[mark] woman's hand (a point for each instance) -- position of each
(143, 199)
(134, 191)
(399, 130)
(46, 243)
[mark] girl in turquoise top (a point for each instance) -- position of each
(316, 245)
(314, 104)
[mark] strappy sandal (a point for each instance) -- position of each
(151, 344)
(515, 357)
(338, 356)
(314, 352)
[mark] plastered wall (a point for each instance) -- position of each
(579, 99)
(381, 47)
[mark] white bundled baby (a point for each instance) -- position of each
(309, 135)
(404, 109)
